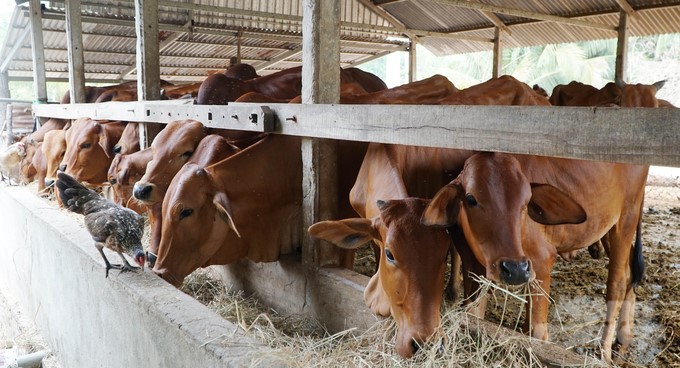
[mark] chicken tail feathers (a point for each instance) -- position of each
(74, 195)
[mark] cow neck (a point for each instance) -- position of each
(264, 186)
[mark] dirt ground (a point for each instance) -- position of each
(578, 289)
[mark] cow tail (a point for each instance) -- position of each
(637, 264)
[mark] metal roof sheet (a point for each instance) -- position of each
(203, 35)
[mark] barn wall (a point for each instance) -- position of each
(49, 263)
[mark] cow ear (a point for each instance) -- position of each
(349, 233)
(551, 206)
(444, 208)
(106, 141)
(223, 207)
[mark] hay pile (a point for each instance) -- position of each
(302, 342)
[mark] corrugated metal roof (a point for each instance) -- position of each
(202, 35)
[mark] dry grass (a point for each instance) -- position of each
(302, 342)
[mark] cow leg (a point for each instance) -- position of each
(536, 322)
(470, 265)
(454, 288)
(618, 288)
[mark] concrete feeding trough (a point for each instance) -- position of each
(127, 320)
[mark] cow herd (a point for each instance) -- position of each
(216, 196)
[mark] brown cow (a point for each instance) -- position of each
(89, 149)
(579, 94)
(548, 206)
(53, 150)
(151, 188)
(50, 124)
(391, 174)
(247, 205)
(241, 72)
(426, 91)
(219, 89)
(125, 170)
(129, 140)
(180, 91)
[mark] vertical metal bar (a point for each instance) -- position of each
(497, 53)
(39, 80)
(320, 84)
(74, 42)
(622, 48)
(148, 63)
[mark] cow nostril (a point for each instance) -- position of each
(49, 182)
(415, 346)
(62, 167)
(515, 272)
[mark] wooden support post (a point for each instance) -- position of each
(148, 63)
(412, 66)
(320, 84)
(497, 53)
(622, 48)
(5, 93)
(74, 42)
(39, 80)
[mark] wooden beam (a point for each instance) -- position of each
(39, 84)
(497, 22)
(279, 58)
(625, 6)
(497, 53)
(74, 45)
(526, 14)
(18, 45)
(621, 62)
(589, 133)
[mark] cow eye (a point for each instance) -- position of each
(470, 200)
(185, 213)
(85, 145)
(389, 255)
(187, 154)
(113, 181)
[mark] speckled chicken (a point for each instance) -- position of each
(112, 226)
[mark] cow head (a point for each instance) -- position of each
(53, 150)
(129, 140)
(89, 149)
(197, 219)
(123, 172)
(218, 89)
(171, 149)
(491, 200)
(410, 279)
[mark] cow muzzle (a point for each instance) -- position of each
(142, 191)
(515, 272)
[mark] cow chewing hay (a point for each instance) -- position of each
(302, 342)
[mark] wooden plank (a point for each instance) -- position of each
(39, 84)
(412, 62)
(74, 44)
(549, 354)
(630, 135)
